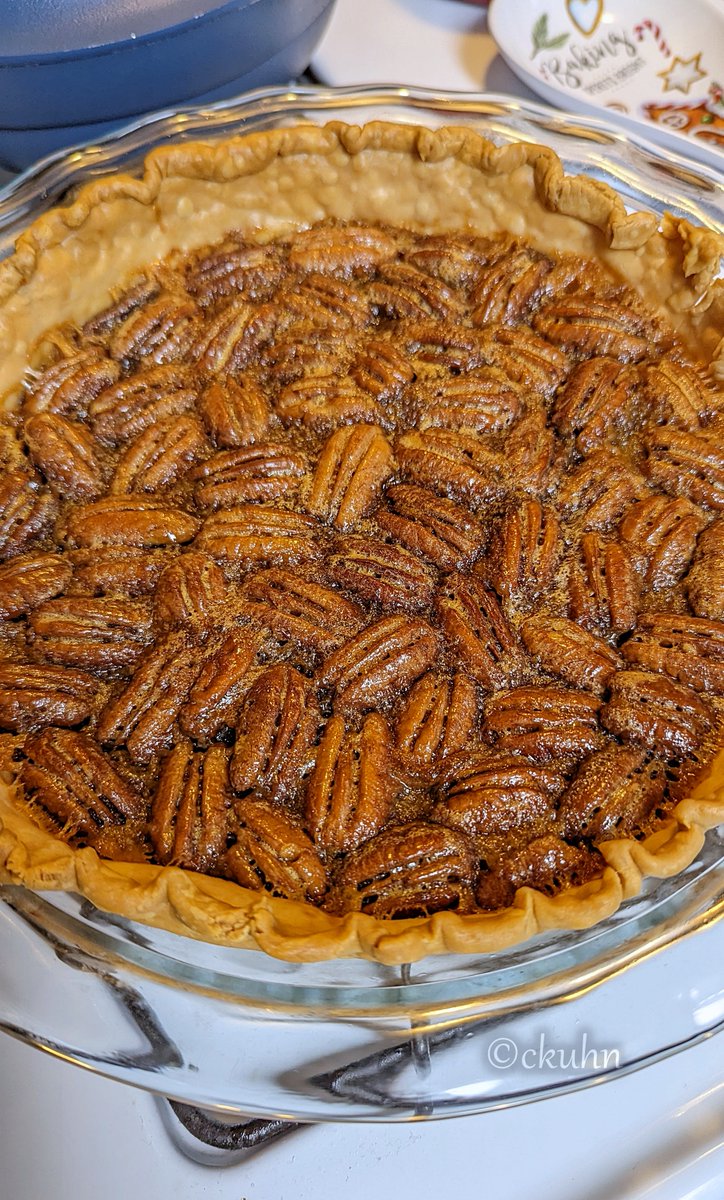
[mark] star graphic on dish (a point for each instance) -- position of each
(682, 73)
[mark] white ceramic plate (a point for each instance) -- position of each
(653, 66)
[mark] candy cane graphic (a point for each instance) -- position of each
(655, 31)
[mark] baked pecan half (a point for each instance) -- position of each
(382, 369)
(547, 864)
(134, 297)
(689, 464)
(353, 787)
(380, 663)
(604, 588)
(661, 533)
(432, 526)
(456, 259)
(491, 795)
(234, 268)
(456, 464)
(587, 326)
(105, 636)
(189, 819)
(438, 718)
(116, 570)
(161, 331)
(70, 385)
(160, 455)
(408, 870)
(347, 250)
(275, 735)
(524, 552)
(705, 581)
(655, 712)
(235, 412)
(264, 471)
(29, 579)
(510, 286)
(478, 632)
(381, 573)
(129, 521)
(595, 403)
(143, 715)
(599, 492)
(525, 358)
(122, 412)
(249, 534)
(323, 303)
(75, 786)
(678, 393)
(230, 667)
(66, 454)
(323, 401)
(545, 724)
(33, 696)
(273, 853)
(484, 401)
(355, 463)
(300, 610)
(27, 512)
(529, 452)
(564, 649)
(688, 649)
(191, 591)
(227, 341)
(400, 290)
(613, 793)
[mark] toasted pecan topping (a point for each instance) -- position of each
(369, 569)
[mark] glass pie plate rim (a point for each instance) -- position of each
(555, 967)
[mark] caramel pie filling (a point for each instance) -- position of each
(371, 569)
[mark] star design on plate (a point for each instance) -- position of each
(682, 73)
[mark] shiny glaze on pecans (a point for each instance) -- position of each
(32, 697)
(300, 610)
(379, 664)
(106, 636)
(189, 819)
(432, 526)
(407, 870)
(354, 464)
(613, 793)
(29, 579)
(74, 784)
(353, 786)
(370, 559)
(439, 718)
(275, 735)
(273, 853)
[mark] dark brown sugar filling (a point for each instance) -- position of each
(377, 570)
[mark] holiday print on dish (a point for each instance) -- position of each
(657, 67)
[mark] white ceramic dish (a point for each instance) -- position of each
(654, 68)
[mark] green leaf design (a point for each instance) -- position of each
(542, 39)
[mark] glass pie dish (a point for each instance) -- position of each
(184, 999)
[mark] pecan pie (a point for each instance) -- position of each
(361, 553)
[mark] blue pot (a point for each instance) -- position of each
(70, 72)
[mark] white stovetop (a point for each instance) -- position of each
(655, 1135)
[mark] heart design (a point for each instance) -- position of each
(585, 14)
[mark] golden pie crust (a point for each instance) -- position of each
(68, 265)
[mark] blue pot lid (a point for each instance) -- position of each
(34, 28)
